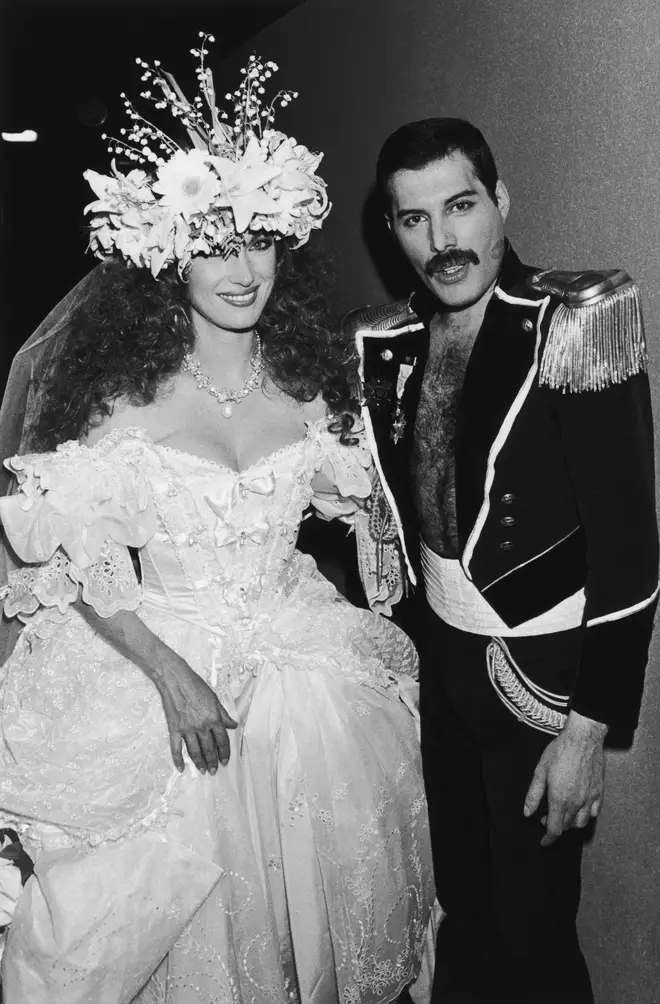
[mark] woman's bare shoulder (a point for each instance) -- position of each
(127, 416)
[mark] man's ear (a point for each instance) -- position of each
(502, 199)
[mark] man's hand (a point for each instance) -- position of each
(571, 772)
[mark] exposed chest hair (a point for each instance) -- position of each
(433, 466)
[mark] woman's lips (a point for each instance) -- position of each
(239, 299)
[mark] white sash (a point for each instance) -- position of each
(459, 603)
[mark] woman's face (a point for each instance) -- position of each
(231, 294)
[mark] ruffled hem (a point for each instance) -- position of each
(41, 838)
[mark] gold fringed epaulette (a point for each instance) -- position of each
(388, 317)
(596, 335)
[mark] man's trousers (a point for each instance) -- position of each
(511, 905)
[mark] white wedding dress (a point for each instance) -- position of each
(302, 870)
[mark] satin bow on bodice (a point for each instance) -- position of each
(228, 532)
(263, 484)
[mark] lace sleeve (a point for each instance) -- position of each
(72, 520)
(346, 486)
(109, 585)
(343, 478)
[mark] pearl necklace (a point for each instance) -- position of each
(227, 398)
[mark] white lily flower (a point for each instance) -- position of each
(187, 183)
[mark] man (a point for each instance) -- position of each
(509, 413)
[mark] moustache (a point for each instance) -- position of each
(450, 259)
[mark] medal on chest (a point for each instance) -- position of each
(400, 421)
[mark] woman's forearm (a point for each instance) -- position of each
(131, 637)
(195, 717)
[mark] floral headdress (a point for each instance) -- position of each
(238, 177)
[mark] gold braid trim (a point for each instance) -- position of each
(521, 696)
(386, 317)
(596, 335)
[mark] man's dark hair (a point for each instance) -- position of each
(418, 144)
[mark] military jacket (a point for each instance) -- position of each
(554, 461)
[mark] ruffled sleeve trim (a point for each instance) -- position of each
(75, 514)
(343, 478)
(346, 486)
(48, 585)
(76, 499)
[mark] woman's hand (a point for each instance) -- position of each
(194, 715)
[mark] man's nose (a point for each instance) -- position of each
(441, 235)
(239, 269)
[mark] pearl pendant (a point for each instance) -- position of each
(227, 410)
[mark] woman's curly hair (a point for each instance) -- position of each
(130, 334)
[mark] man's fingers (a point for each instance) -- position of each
(175, 747)
(535, 792)
(554, 826)
(582, 818)
(596, 806)
(222, 743)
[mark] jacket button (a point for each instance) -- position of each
(508, 498)
(527, 325)
(507, 521)
(507, 545)
(387, 355)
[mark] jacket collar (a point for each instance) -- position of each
(513, 274)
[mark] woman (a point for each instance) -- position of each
(213, 768)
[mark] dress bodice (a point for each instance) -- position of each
(225, 542)
(216, 545)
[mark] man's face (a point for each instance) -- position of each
(449, 228)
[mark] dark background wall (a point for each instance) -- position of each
(63, 66)
(568, 93)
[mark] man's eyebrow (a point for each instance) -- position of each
(409, 212)
(466, 193)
